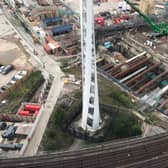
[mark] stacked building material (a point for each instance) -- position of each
(51, 46)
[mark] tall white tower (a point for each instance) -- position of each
(90, 111)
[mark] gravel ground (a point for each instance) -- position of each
(111, 5)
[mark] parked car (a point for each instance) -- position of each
(10, 132)
(4, 87)
(9, 84)
(22, 73)
(1, 68)
(12, 81)
(17, 77)
(7, 69)
(3, 125)
(106, 14)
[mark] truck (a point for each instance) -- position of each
(10, 132)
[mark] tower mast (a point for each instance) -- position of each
(90, 109)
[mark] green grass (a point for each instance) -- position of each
(55, 139)
(110, 94)
(122, 126)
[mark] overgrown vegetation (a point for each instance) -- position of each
(22, 93)
(55, 138)
(122, 126)
(110, 94)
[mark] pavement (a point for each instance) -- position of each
(151, 130)
(42, 120)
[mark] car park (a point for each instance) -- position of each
(10, 132)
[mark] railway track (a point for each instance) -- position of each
(126, 153)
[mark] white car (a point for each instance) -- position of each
(1, 68)
(22, 73)
(17, 77)
(12, 82)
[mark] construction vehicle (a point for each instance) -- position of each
(160, 29)
(10, 132)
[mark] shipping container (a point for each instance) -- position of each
(55, 44)
(52, 21)
(11, 146)
(100, 21)
(36, 113)
(47, 48)
(53, 48)
(48, 39)
(32, 107)
(61, 30)
(23, 113)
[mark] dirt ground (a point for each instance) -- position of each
(111, 5)
(11, 51)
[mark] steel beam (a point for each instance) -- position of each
(132, 80)
(163, 104)
(113, 69)
(132, 68)
(106, 67)
(150, 83)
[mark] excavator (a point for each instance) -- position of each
(159, 29)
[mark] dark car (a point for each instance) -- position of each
(106, 14)
(4, 87)
(7, 69)
(10, 132)
(3, 125)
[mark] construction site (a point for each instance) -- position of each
(62, 63)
